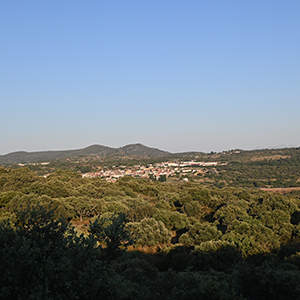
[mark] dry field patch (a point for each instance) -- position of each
(270, 157)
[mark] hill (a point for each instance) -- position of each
(141, 150)
(132, 150)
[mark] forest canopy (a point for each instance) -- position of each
(198, 234)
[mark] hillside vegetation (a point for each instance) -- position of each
(94, 152)
(66, 235)
(268, 168)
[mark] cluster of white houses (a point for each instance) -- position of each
(156, 171)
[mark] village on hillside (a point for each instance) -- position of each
(159, 171)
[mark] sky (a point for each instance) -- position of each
(175, 75)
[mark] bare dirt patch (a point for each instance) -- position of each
(81, 226)
(144, 249)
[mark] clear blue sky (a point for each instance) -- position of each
(175, 75)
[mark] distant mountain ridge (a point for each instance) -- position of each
(137, 150)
